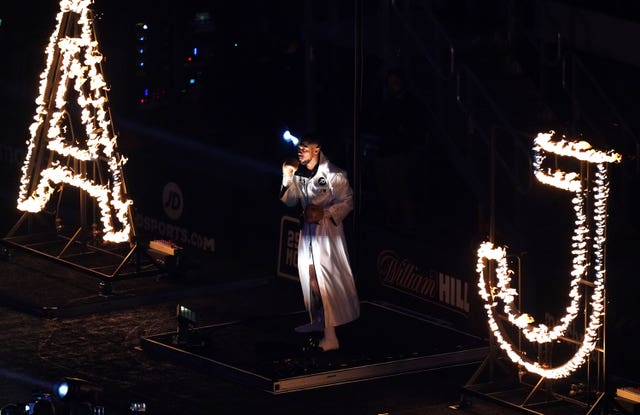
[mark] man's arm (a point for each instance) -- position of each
(342, 199)
(289, 193)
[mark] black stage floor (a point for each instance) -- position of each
(269, 354)
(37, 284)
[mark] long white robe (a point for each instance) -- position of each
(324, 245)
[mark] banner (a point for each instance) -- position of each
(288, 248)
(422, 277)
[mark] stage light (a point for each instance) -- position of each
(186, 315)
(287, 136)
(62, 390)
(187, 320)
(77, 390)
(14, 409)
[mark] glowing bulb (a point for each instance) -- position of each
(63, 389)
(287, 136)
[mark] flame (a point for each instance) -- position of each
(541, 333)
(80, 67)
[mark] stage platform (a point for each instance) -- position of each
(35, 284)
(267, 353)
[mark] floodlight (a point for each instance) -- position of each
(186, 315)
(186, 322)
(186, 334)
(62, 390)
(74, 389)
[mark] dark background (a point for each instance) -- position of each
(262, 67)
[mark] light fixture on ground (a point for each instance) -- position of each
(186, 334)
(78, 396)
(70, 388)
(186, 318)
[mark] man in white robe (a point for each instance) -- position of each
(328, 286)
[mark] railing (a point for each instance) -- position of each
(627, 135)
(481, 97)
(439, 51)
(440, 41)
(440, 45)
(572, 71)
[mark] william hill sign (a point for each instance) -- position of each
(436, 287)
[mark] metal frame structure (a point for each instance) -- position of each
(532, 393)
(521, 389)
(79, 247)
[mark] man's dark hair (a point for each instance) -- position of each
(312, 138)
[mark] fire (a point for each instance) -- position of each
(542, 334)
(80, 67)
